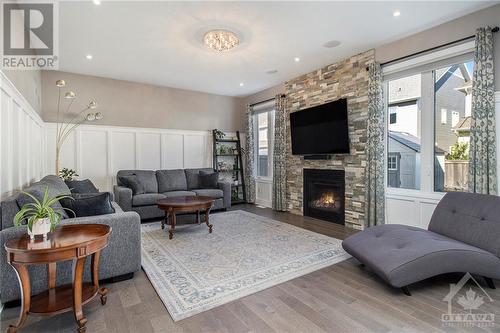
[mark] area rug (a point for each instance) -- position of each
(197, 271)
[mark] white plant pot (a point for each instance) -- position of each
(40, 227)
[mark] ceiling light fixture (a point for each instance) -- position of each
(89, 56)
(331, 44)
(221, 40)
(396, 13)
(96, 2)
(296, 59)
(241, 84)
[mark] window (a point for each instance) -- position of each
(404, 135)
(392, 163)
(264, 124)
(444, 116)
(452, 90)
(427, 147)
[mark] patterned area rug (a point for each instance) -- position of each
(197, 271)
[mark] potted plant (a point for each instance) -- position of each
(67, 174)
(40, 215)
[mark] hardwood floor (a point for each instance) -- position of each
(341, 298)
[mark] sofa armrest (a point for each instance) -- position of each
(123, 196)
(226, 190)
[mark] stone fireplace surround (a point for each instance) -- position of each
(345, 79)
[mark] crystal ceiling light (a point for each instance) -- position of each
(221, 40)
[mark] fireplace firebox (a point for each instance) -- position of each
(324, 194)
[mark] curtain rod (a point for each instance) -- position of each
(495, 29)
(267, 100)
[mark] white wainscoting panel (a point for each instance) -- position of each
(264, 192)
(98, 152)
(22, 140)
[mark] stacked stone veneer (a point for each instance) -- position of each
(345, 79)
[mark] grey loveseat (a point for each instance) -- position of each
(122, 256)
(164, 184)
(463, 236)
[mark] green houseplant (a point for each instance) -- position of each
(67, 174)
(41, 217)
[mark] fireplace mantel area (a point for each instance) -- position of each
(345, 79)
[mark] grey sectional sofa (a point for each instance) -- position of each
(122, 256)
(164, 184)
(463, 236)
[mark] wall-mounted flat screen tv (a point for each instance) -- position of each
(320, 130)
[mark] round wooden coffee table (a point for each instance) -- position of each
(69, 242)
(174, 205)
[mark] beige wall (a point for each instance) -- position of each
(460, 28)
(132, 104)
(264, 95)
(29, 84)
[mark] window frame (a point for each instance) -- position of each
(425, 65)
(270, 143)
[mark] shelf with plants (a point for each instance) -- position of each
(227, 160)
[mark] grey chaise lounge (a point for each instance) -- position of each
(166, 184)
(463, 236)
(119, 260)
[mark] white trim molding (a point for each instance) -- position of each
(22, 140)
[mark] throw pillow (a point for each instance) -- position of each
(89, 204)
(81, 186)
(208, 180)
(38, 192)
(133, 183)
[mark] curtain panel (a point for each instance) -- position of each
(250, 157)
(279, 155)
(482, 151)
(374, 172)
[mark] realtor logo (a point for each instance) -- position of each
(470, 300)
(29, 38)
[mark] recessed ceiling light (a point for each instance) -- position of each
(89, 56)
(96, 2)
(296, 59)
(241, 84)
(396, 13)
(272, 71)
(331, 44)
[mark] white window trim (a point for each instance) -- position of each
(395, 163)
(427, 120)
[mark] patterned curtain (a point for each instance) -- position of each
(375, 199)
(249, 160)
(279, 155)
(482, 151)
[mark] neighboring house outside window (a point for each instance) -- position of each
(264, 135)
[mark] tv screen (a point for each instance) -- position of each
(320, 130)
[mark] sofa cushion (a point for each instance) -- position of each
(81, 186)
(178, 194)
(88, 204)
(213, 193)
(171, 180)
(402, 254)
(193, 177)
(146, 177)
(56, 185)
(133, 183)
(208, 180)
(146, 199)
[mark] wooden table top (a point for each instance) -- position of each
(62, 238)
(185, 201)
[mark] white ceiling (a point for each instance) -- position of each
(160, 42)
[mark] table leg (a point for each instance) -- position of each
(198, 220)
(164, 221)
(79, 265)
(24, 281)
(52, 274)
(103, 292)
(207, 222)
(173, 221)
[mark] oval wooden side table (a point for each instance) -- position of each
(70, 242)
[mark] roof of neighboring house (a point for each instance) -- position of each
(410, 141)
(463, 124)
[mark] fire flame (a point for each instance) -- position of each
(327, 200)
